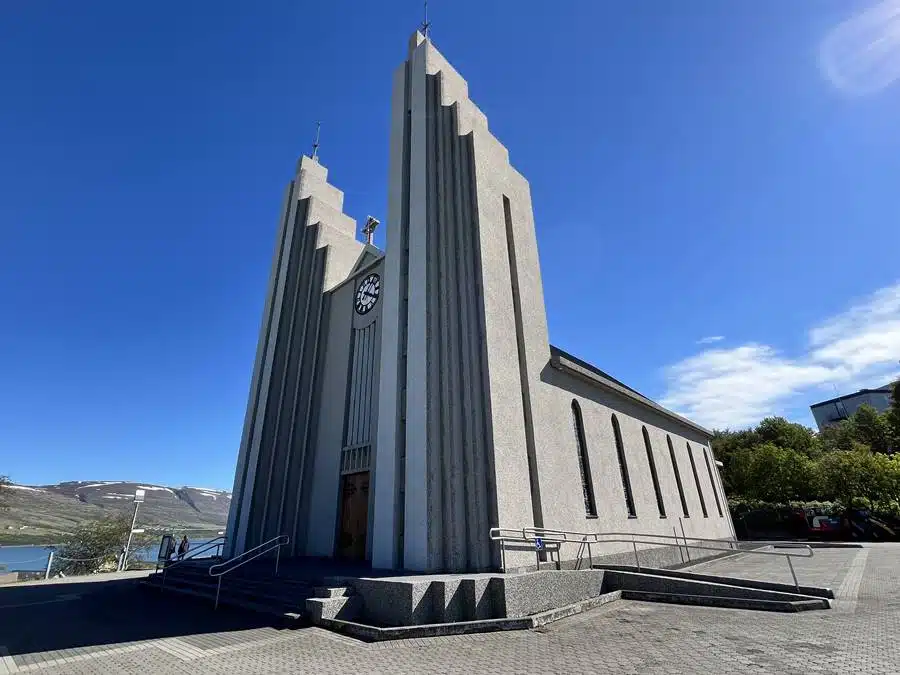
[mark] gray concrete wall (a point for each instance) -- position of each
(389, 501)
(441, 435)
(324, 489)
(561, 482)
(316, 249)
(342, 421)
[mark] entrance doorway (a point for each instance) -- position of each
(351, 543)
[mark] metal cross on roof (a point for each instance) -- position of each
(426, 24)
(315, 154)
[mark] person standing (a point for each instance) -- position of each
(183, 547)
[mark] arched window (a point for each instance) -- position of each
(584, 463)
(652, 462)
(623, 467)
(684, 507)
(712, 482)
(697, 481)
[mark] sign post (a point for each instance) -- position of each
(538, 547)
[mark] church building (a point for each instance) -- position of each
(405, 401)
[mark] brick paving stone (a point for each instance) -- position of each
(622, 637)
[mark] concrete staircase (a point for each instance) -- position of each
(252, 587)
(371, 607)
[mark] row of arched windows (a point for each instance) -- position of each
(587, 486)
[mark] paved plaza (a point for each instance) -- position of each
(117, 628)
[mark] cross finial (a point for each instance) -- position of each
(315, 154)
(369, 229)
(426, 24)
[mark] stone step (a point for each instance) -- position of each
(345, 608)
(290, 599)
(285, 614)
(240, 586)
(230, 579)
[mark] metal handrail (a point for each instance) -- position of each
(217, 542)
(531, 534)
(223, 568)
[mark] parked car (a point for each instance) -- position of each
(824, 527)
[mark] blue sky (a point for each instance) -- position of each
(699, 170)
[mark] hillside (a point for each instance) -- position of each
(46, 512)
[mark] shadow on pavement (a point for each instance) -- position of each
(75, 614)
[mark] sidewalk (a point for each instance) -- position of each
(85, 578)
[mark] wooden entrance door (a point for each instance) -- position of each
(354, 516)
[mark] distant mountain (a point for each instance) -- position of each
(42, 511)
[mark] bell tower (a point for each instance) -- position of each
(465, 332)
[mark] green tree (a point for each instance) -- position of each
(732, 449)
(790, 435)
(871, 428)
(838, 437)
(780, 475)
(96, 546)
(859, 474)
(893, 417)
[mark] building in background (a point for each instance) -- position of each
(836, 409)
(403, 402)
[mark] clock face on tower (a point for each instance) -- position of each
(367, 294)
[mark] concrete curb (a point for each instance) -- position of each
(728, 603)
(377, 634)
(814, 591)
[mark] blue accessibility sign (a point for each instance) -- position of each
(538, 544)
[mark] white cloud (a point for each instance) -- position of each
(737, 387)
(862, 54)
(709, 340)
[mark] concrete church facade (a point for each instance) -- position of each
(404, 402)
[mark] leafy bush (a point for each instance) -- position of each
(96, 547)
(846, 465)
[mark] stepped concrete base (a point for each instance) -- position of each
(326, 592)
(347, 608)
(444, 598)
(370, 633)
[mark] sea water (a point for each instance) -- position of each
(29, 558)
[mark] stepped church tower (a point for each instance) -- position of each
(403, 402)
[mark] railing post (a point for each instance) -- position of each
(218, 588)
(49, 565)
(590, 555)
(503, 555)
(678, 543)
(637, 561)
(687, 550)
(793, 574)
(277, 558)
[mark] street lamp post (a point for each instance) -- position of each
(138, 498)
